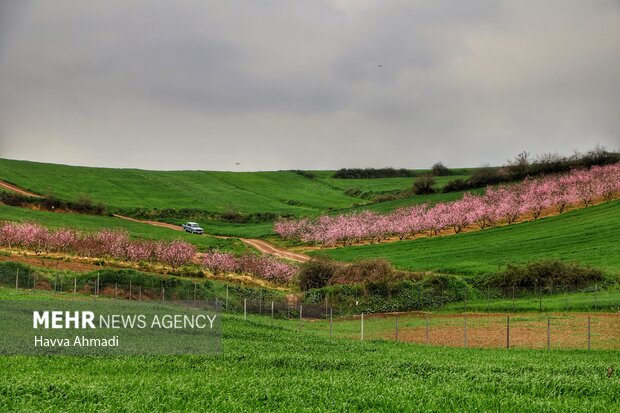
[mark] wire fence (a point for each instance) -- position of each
(495, 322)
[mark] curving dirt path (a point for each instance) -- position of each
(20, 191)
(258, 244)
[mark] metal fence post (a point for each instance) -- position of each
(465, 306)
(508, 332)
(245, 308)
(74, 286)
(465, 331)
(17, 279)
(97, 289)
(301, 311)
(540, 299)
(589, 331)
(271, 312)
(396, 327)
(226, 297)
(362, 328)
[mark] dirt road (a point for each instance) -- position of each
(20, 191)
(258, 244)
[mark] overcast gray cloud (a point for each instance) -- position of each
(306, 84)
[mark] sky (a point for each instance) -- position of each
(306, 84)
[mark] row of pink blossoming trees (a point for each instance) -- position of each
(104, 243)
(262, 266)
(504, 203)
(117, 244)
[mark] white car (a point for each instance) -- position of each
(192, 228)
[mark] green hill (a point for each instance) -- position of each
(589, 236)
(281, 192)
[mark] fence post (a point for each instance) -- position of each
(488, 297)
(260, 304)
(548, 333)
(331, 314)
(540, 299)
(17, 279)
(301, 309)
(140, 292)
(465, 331)
(427, 341)
(226, 297)
(465, 308)
(245, 308)
(362, 329)
(325, 305)
(508, 332)
(74, 286)
(595, 296)
(163, 292)
(396, 327)
(271, 312)
(589, 333)
(97, 289)
(115, 291)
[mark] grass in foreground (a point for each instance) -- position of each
(590, 236)
(266, 368)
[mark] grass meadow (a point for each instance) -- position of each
(266, 368)
(590, 236)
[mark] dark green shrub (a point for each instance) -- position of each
(316, 273)
(546, 274)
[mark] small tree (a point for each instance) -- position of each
(424, 185)
(439, 169)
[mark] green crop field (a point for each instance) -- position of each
(135, 229)
(590, 236)
(265, 368)
(282, 192)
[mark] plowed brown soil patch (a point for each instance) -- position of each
(566, 331)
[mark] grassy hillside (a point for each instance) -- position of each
(135, 229)
(281, 192)
(590, 236)
(265, 368)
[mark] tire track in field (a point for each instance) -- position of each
(19, 190)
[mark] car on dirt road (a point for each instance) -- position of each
(192, 228)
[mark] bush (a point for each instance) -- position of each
(424, 185)
(546, 274)
(316, 273)
(366, 271)
(439, 169)
(370, 173)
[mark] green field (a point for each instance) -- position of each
(265, 368)
(590, 236)
(281, 192)
(135, 229)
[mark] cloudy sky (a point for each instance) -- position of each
(306, 84)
